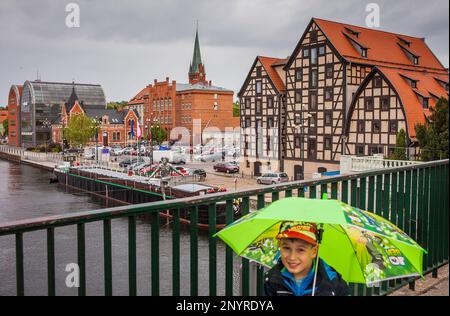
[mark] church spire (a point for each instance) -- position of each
(197, 68)
(197, 57)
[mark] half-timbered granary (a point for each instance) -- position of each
(348, 91)
(262, 100)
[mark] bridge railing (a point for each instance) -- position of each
(415, 198)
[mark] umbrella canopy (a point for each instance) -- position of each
(361, 246)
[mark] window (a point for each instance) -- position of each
(413, 84)
(329, 94)
(270, 102)
(361, 127)
(312, 149)
(258, 87)
(377, 82)
(298, 142)
(329, 72)
(314, 78)
(270, 122)
(360, 150)
(314, 36)
(416, 60)
(298, 74)
(314, 56)
(313, 124)
(327, 143)
(268, 144)
(328, 118)
(258, 107)
(248, 122)
(248, 103)
(385, 103)
(322, 50)
(368, 104)
(258, 72)
(374, 150)
(425, 103)
(305, 52)
(297, 119)
(393, 127)
(313, 101)
(364, 52)
(298, 96)
(376, 127)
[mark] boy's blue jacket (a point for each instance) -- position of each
(279, 282)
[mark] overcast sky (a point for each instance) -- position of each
(125, 45)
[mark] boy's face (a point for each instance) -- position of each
(297, 256)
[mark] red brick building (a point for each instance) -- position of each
(115, 128)
(190, 107)
(14, 99)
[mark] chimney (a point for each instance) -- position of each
(167, 79)
(156, 81)
(210, 83)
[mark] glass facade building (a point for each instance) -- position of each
(42, 104)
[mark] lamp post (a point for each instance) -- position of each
(96, 127)
(46, 125)
(304, 122)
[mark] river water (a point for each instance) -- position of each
(26, 192)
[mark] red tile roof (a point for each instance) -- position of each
(268, 63)
(427, 85)
(384, 48)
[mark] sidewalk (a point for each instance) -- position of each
(428, 286)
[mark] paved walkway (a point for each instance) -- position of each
(428, 286)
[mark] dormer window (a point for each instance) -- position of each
(353, 32)
(412, 82)
(404, 42)
(443, 83)
(415, 59)
(425, 103)
(364, 53)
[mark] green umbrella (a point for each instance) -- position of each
(361, 246)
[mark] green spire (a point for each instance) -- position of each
(197, 58)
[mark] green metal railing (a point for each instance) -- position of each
(413, 197)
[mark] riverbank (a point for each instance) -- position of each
(18, 155)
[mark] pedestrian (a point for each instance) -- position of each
(295, 272)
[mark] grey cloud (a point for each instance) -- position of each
(124, 45)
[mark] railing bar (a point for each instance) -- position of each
(81, 240)
(51, 261)
(107, 253)
(155, 226)
(245, 263)
(132, 283)
(229, 253)
(176, 253)
(19, 265)
(212, 250)
(194, 250)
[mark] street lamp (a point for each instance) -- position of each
(95, 126)
(304, 122)
(46, 125)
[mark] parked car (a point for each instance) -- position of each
(127, 162)
(198, 172)
(273, 178)
(117, 151)
(181, 170)
(226, 167)
(209, 157)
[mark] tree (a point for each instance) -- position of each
(159, 134)
(433, 135)
(118, 106)
(400, 147)
(236, 109)
(5, 127)
(80, 130)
